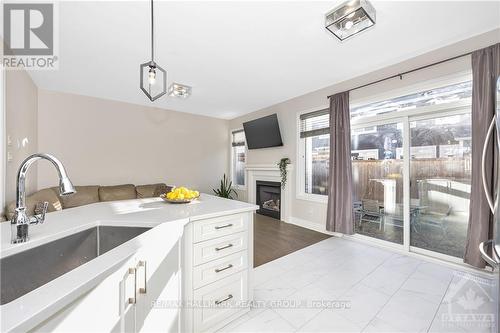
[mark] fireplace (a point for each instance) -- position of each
(268, 197)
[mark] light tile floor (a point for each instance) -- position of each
(339, 285)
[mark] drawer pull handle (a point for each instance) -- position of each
(224, 300)
(218, 270)
(224, 247)
(223, 226)
(132, 271)
(142, 263)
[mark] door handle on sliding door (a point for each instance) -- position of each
(491, 202)
(493, 262)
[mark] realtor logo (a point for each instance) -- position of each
(468, 303)
(29, 30)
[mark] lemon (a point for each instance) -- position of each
(181, 193)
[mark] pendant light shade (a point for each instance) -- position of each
(153, 80)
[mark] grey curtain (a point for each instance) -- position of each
(485, 70)
(340, 210)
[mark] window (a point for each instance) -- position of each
(315, 152)
(238, 155)
(377, 134)
(411, 165)
(436, 96)
(411, 158)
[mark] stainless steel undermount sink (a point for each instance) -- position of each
(30, 269)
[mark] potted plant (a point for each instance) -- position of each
(282, 164)
(225, 189)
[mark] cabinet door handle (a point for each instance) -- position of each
(142, 263)
(223, 226)
(224, 247)
(224, 300)
(132, 271)
(218, 270)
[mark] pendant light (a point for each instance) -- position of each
(153, 77)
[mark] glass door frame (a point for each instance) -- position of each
(444, 113)
(406, 187)
(406, 117)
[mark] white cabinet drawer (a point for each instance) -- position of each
(220, 268)
(219, 247)
(220, 300)
(219, 226)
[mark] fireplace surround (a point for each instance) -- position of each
(270, 173)
(268, 197)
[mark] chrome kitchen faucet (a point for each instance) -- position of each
(20, 221)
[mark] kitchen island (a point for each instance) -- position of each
(188, 270)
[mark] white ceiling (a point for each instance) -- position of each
(243, 56)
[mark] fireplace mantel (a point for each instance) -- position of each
(253, 167)
(270, 172)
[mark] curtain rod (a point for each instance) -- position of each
(400, 75)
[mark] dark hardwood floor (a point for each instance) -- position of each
(274, 239)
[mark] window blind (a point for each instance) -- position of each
(238, 138)
(315, 123)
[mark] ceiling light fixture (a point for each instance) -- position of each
(153, 77)
(350, 18)
(179, 90)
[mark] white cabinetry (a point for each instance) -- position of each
(182, 278)
(217, 266)
(138, 296)
(159, 285)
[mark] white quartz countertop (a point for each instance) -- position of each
(37, 305)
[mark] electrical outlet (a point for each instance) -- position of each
(9, 156)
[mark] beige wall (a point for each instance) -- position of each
(314, 212)
(108, 142)
(21, 96)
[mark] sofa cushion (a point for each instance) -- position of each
(118, 192)
(49, 194)
(151, 190)
(84, 195)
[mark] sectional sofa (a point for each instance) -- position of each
(86, 195)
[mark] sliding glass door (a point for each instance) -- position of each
(411, 165)
(378, 181)
(440, 177)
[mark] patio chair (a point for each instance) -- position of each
(371, 212)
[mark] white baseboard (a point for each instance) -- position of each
(313, 226)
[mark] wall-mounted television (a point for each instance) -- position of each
(263, 132)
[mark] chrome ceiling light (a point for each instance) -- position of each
(179, 90)
(153, 77)
(350, 18)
